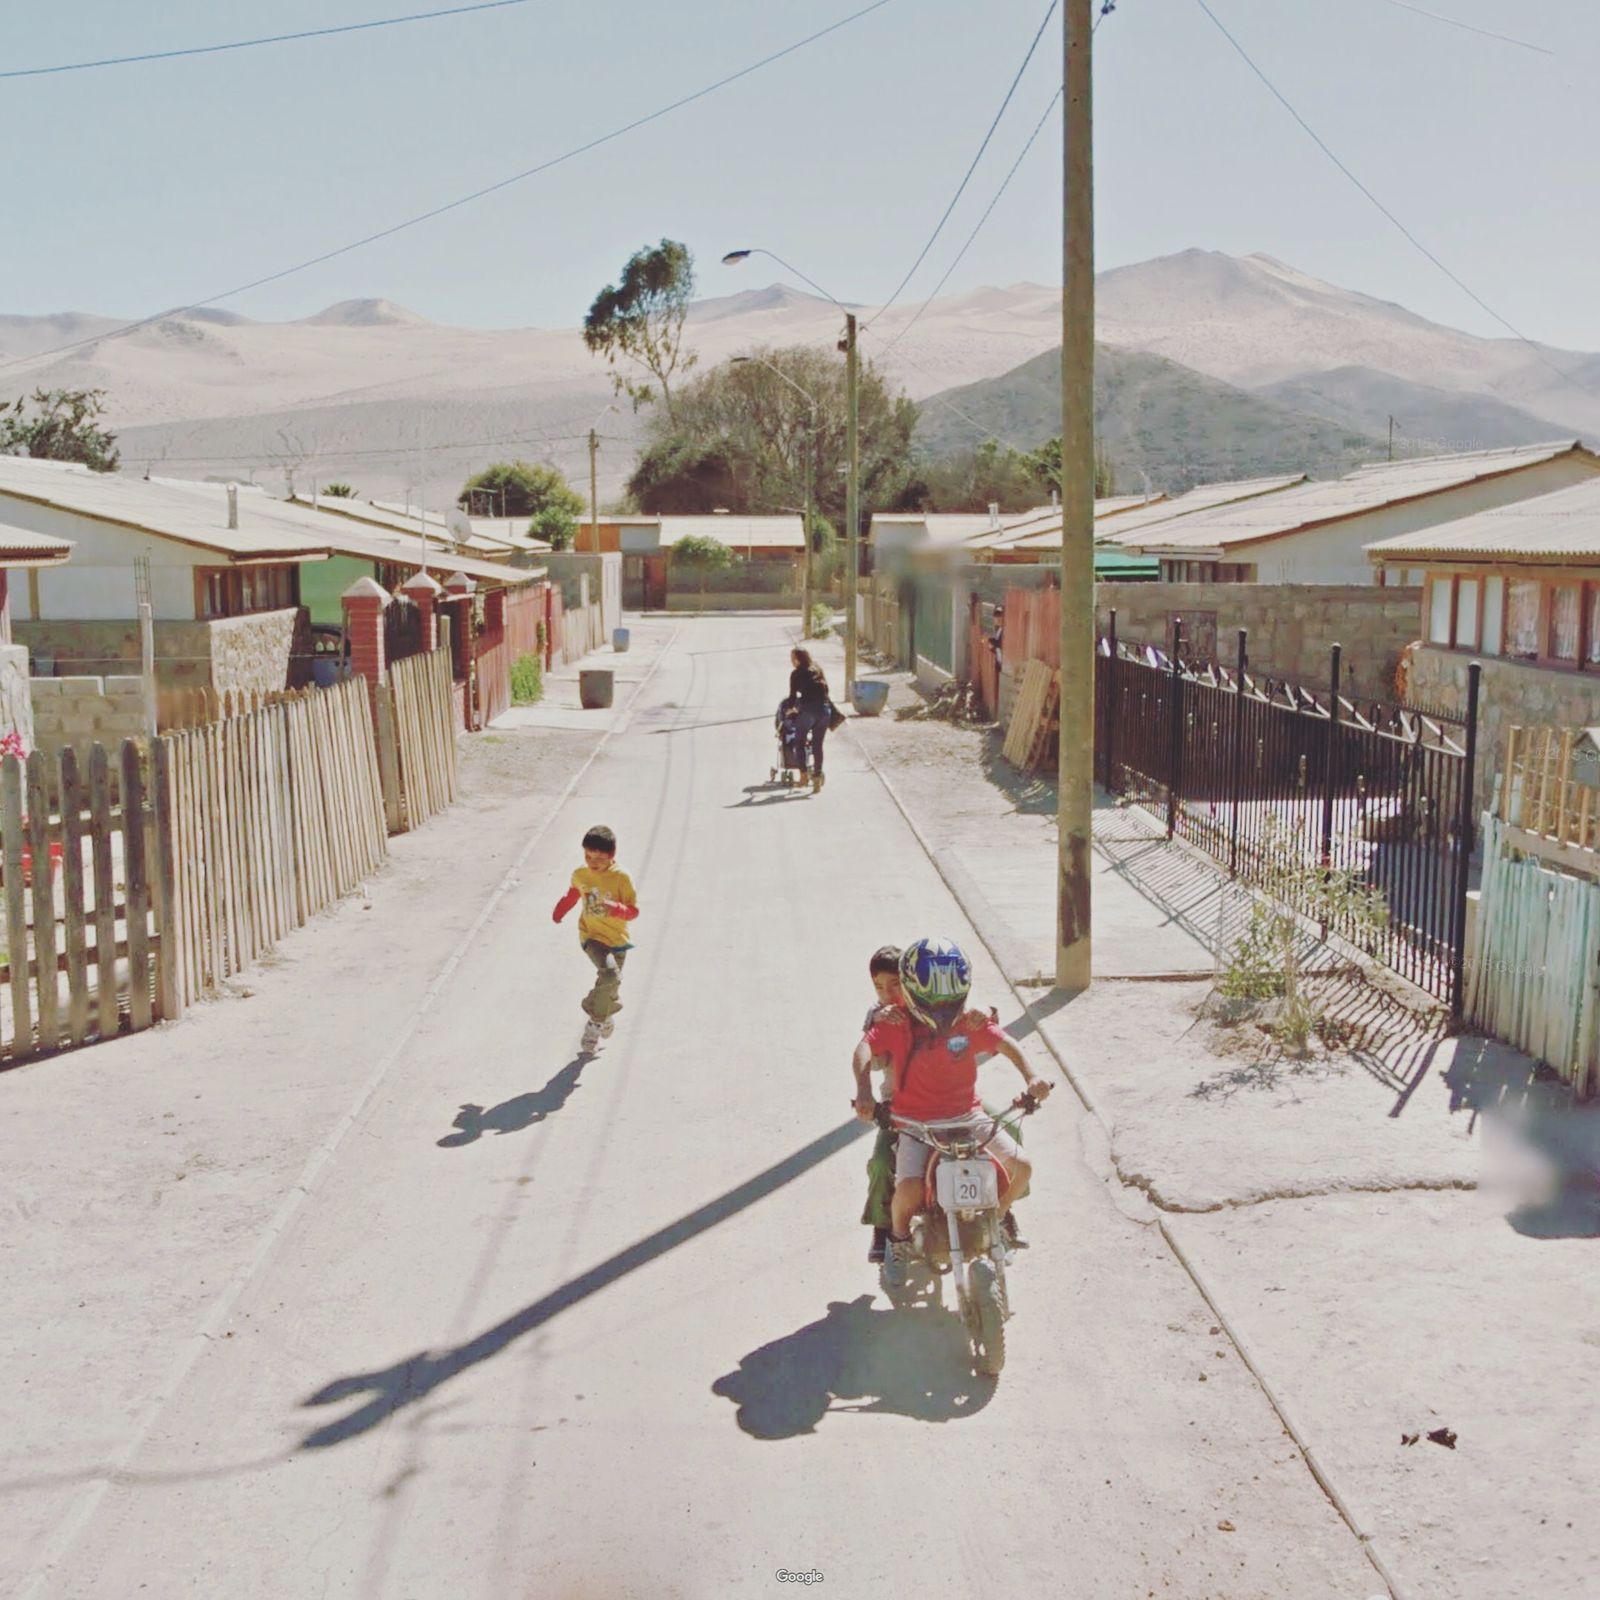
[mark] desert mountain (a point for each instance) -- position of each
(369, 391)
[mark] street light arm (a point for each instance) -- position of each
(734, 257)
(777, 371)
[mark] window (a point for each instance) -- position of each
(237, 591)
(1441, 597)
(1467, 613)
(1592, 653)
(1564, 613)
(1522, 620)
(1494, 604)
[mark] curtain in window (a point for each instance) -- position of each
(1522, 619)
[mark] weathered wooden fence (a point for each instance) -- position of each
(417, 739)
(273, 815)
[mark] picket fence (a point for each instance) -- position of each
(417, 739)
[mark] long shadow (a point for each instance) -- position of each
(899, 1363)
(392, 1388)
(769, 794)
(522, 1111)
(695, 727)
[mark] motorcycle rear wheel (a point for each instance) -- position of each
(988, 1326)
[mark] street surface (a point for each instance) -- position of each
(528, 1325)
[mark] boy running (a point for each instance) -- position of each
(609, 905)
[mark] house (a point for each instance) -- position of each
(646, 543)
(23, 555)
(1518, 589)
(1318, 532)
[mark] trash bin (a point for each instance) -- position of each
(619, 640)
(869, 696)
(595, 688)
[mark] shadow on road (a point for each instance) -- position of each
(392, 1388)
(907, 1364)
(767, 794)
(521, 1111)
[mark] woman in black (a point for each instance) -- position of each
(809, 689)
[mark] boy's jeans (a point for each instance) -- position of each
(601, 1001)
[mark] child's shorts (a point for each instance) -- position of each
(911, 1154)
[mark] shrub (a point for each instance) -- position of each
(821, 619)
(527, 680)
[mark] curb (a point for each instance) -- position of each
(1367, 1541)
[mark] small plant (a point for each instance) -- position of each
(821, 619)
(1266, 962)
(527, 680)
(338, 491)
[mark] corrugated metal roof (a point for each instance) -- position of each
(1203, 497)
(165, 509)
(737, 532)
(1563, 525)
(1357, 494)
(20, 547)
(1041, 529)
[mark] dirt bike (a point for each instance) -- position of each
(959, 1231)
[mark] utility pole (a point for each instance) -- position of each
(1391, 438)
(805, 597)
(852, 499)
(1075, 761)
(594, 499)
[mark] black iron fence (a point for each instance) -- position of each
(1265, 775)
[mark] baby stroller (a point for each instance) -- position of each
(791, 766)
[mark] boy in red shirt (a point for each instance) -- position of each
(932, 1051)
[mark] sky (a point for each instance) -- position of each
(132, 189)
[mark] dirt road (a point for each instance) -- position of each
(515, 1323)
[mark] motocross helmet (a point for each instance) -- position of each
(936, 978)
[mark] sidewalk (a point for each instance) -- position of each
(1400, 1234)
(560, 707)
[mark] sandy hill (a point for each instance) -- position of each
(366, 390)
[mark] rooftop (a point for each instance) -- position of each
(737, 532)
(20, 547)
(1367, 489)
(1556, 527)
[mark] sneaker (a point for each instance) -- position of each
(880, 1237)
(896, 1257)
(608, 1027)
(591, 1035)
(1008, 1230)
(817, 781)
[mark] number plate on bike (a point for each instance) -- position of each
(967, 1185)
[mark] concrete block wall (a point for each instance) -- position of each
(1292, 627)
(86, 711)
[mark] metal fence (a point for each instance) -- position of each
(1262, 775)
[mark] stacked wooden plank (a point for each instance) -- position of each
(274, 815)
(1033, 718)
(77, 959)
(419, 701)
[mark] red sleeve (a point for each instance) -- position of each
(986, 1039)
(625, 911)
(565, 904)
(890, 1038)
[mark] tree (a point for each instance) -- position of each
(338, 491)
(740, 436)
(642, 320)
(699, 554)
(63, 428)
(527, 489)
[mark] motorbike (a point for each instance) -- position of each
(958, 1233)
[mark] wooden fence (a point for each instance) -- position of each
(273, 815)
(84, 870)
(417, 740)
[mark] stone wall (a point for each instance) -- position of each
(1291, 627)
(86, 711)
(270, 650)
(1512, 693)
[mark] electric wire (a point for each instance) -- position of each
(1456, 22)
(463, 200)
(922, 255)
(249, 44)
(1400, 226)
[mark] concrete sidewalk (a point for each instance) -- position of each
(1399, 1233)
(560, 706)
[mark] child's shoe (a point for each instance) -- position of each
(608, 1027)
(896, 1257)
(591, 1036)
(880, 1237)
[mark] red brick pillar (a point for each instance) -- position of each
(364, 602)
(423, 590)
(459, 590)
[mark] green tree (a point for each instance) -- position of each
(740, 436)
(698, 554)
(642, 318)
(339, 491)
(63, 428)
(1048, 459)
(526, 489)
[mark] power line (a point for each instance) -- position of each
(154, 459)
(248, 44)
(1456, 22)
(922, 255)
(464, 200)
(1324, 147)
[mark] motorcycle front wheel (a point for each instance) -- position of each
(988, 1323)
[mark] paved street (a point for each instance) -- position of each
(531, 1325)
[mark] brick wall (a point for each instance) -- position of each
(1292, 627)
(1512, 693)
(86, 711)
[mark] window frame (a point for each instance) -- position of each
(1586, 580)
(276, 582)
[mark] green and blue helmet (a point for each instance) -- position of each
(937, 978)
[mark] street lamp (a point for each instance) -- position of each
(811, 448)
(852, 455)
